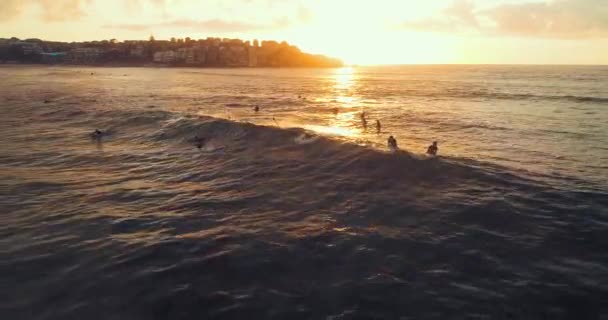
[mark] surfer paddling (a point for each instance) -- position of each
(96, 135)
(432, 149)
(392, 143)
(199, 142)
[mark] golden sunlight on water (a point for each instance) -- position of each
(341, 123)
(345, 78)
(335, 130)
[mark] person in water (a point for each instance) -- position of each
(256, 108)
(392, 143)
(199, 142)
(363, 120)
(378, 126)
(97, 134)
(432, 150)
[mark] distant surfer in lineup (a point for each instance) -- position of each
(96, 135)
(378, 126)
(392, 143)
(199, 142)
(432, 149)
(256, 108)
(363, 120)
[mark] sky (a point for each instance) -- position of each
(356, 31)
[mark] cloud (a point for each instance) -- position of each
(62, 10)
(52, 10)
(10, 9)
(430, 25)
(215, 25)
(305, 15)
(557, 19)
(567, 19)
(456, 17)
(462, 11)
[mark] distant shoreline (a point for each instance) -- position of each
(159, 66)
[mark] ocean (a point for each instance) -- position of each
(298, 211)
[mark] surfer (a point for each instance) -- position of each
(97, 134)
(363, 120)
(378, 126)
(199, 142)
(432, 150)
(392, 143)
(256, 108)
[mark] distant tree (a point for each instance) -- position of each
(180, 41)
(173, 40)
(113, 41)
(188, 40)
(256, 43)
(151, 39)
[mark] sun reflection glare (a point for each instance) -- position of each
(332, 130)
(344, 78)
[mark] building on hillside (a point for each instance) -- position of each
(28, 48)
(181, 54)
(196, 56)
(85, 55)
(165, 57)
(252, 54)
(138, 52)
(212, 58)
(53, 57)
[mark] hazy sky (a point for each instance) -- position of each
(357, 31)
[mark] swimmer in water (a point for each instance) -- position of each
(363, 120)
(199, 142)
(378, 126)
(432, 150)
(96, 135)
(392, 143)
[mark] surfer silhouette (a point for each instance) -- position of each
(432, 149)
(256, 108)
(199, 142)
(96, 135)
(378, 126)
(392, 143)
(363, 120)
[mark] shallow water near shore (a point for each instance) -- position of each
(297, 211)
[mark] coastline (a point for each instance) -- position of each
(159, 66)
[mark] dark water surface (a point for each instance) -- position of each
(306, 216)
